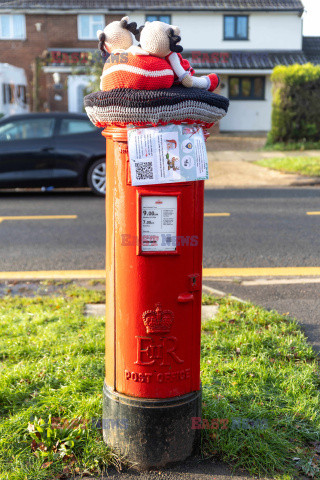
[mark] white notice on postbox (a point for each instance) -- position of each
(173, 153)
(158, 223)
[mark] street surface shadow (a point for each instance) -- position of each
(37, 193)
(16, 288)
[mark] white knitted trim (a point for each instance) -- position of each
(137, 71)
(135, 50)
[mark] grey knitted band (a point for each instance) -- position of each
(171, 105)
(186, 111)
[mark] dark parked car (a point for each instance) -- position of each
(51, 149)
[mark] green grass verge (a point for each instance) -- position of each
(260, 380)
(260, 389)
(286, 147)
(51, 363)
(309, 166)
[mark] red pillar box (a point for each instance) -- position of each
(153, 318)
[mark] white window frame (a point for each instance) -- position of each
(92, 29)
(12, 36)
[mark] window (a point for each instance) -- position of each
(22, 93)
(70, 126)
(80, 91)
(22, 130)
(12, 27)
(6, 93)
(159, 18)
(235, 27)
(14, 93)
(88, 26)
(246, 88)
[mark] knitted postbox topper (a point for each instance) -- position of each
(155, 107)
(146, 84)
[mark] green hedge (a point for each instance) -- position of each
(296, 104)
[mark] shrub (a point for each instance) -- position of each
(296, 104)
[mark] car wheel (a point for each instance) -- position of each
(97, 177)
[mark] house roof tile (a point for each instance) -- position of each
(242, 60)
(127, 5)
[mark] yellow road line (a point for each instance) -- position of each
(262, 272)
(217, 214)
(207, 272)
(52, 274)
(313, 213)
(39, 217)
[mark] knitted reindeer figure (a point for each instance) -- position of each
(154, 65)
(117, 36)
(161, 40)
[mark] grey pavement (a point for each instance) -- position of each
(236, 169)
(231, 160)
(253, 156)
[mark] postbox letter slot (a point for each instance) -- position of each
(194, 282)
(185, 297)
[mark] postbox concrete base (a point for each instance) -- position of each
(151, 432)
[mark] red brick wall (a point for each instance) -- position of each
(57, 31)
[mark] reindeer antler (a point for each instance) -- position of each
(132, 27)
(102, 39)
(138, 33)
(174, 39)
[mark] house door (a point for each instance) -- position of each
(76, 92)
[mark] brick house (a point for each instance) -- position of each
(28, 30)
(242, 40)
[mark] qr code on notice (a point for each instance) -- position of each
(144, 171)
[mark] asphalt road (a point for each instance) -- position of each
(266, 228)
(300, 301)
(58, 244)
